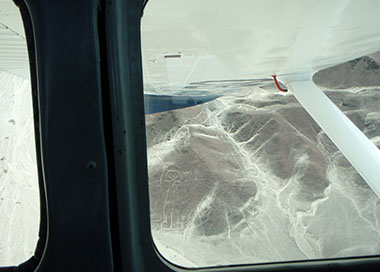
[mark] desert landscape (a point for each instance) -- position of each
(250, 177)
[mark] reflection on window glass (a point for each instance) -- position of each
(239, 172)
(19, 193)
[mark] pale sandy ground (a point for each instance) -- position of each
(253, 179)
(19, 199)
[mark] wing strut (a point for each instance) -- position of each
(355, 146)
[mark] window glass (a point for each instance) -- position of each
(239, 172)
(19, 193)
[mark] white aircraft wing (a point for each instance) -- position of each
(245, 39)
(13, 49)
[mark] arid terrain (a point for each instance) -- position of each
(251, 178)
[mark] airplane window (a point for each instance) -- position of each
(239, 172)
(19, 193)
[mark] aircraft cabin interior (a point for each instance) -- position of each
(202, 135)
